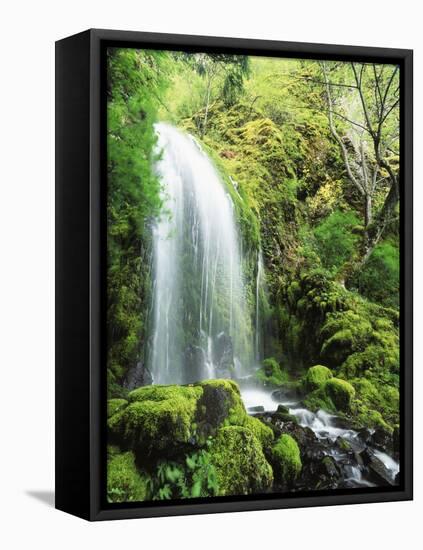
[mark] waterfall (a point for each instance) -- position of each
(201, 324)
(259, 283)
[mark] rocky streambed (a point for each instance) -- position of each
(334, 454)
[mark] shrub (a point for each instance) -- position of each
(335, 238)
(379, 279)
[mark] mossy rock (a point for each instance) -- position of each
(220, 399)
(340, 392)
(263, 433)
(318, 399)
(157, 418)
(316, 377)
(115, 405)
(240, 464)
(271, 374)
(286, 459)
(168, 419)
(124, 482)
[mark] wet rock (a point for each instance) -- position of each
(223, 355)
(396, 441)
(195, 364)
(284, 394)
(282, 409)
(376, 470)
(330, 468)
(358, 458)
(340, 422)
(365, 435)
(137, 376)
(256, 409)
(382, 440)
(343, 444)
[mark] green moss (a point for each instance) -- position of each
(163, 393)
(370, 418)
(372, 398)
(225, 394)
(340, 392)
(157, 417)
(160, 418)
(286, 459)
(124, 482)
(263, 433)
(115, 405)
(344, 444)
(316, 377)
(241, 467)
(271, 373)
(318, 399)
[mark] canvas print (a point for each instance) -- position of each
(252, 275)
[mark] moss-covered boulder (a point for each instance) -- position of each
(157, 418)
(319, 399)
(115, 405)
(286, 459)
(271, 373)
(168, 419)
(125, 483)
(316, 377)
(240, 464)
(340, 392)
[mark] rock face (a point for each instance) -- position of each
(223, 355)
(194, 363)
(137, 376)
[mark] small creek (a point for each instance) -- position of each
(378, 466)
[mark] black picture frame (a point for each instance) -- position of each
(80, 273)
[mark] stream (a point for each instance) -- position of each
(362, 460)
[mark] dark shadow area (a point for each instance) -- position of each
(46, 497)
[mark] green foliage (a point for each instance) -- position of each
(240, 464)
(376, 405)
(341, 393)
(193, 478)
(286, 459)
(264, 125)
(271, 373)
(135, 79)
(316, 377)
(336, 239)
(379, 279)
(124, 482)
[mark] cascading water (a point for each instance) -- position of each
(259, 286)
(201, 322)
